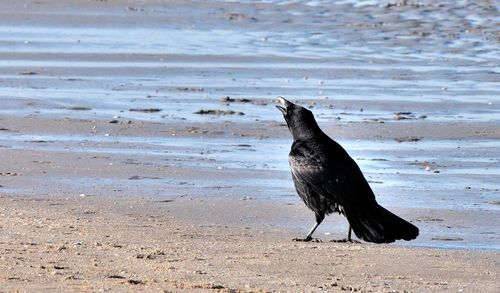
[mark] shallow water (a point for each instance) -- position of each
(388, 165)
(400, 175)
(438, 60)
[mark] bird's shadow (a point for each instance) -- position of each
(345, 240)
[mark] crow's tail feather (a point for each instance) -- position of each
(376, 224)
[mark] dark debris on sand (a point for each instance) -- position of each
(145, 110)
(218, 112)
(232, 100)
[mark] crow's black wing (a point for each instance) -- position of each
(327, 168)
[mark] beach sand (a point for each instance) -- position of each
(109, 181)
(87, 221)
(62, 244)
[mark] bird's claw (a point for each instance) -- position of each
(345, 240)
(308, 239)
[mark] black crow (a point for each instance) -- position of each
(329, 180)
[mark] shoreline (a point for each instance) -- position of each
(223, 160)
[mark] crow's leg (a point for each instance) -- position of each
(319, 219)
(348, 239)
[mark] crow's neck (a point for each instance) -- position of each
(307, 132)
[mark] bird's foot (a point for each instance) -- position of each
(345, 240)
(307, 239)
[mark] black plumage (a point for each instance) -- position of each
(329, 180)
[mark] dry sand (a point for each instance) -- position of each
(88, 244)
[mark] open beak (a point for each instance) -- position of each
(284, 104)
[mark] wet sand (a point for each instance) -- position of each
(109, 180)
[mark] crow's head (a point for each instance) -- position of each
(300, 121)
